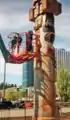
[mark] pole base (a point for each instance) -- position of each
(44, 118)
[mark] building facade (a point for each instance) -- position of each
(25, 75)
(62, 58)
(28, 74)
(28, 67)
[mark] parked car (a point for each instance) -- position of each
(25, 104)
(28, 104)
(6, 104)
(21, 104)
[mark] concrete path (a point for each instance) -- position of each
(19, 114)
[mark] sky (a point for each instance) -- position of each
(14, 17)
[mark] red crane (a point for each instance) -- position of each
(23, 48)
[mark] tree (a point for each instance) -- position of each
(14, 94)
(11, 94)
(7, 85)
(0, 94)
(68, 92)
(63, 83)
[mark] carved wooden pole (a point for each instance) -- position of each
(42, 14)
(48, 64)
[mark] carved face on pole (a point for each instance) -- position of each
(48, 28)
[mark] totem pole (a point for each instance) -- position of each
(42, 14)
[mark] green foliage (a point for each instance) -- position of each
(0, 94)
(6, 85)
(10, 94)
(63, 83)
(11, 91)
(68, 92)
(13, 94)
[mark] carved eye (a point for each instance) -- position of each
(49, 38)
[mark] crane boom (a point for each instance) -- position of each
(4, 51)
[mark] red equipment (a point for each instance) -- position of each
(18, 47)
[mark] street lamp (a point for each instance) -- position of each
(4, 80)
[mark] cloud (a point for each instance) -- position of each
(62, 23)
(62, 28)
(14, 6)
(11, 69)
(14, 14)
(11, 79)
(14, 17)
(64, 2)
(13, 72)
(60, 42)
(13, 21)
